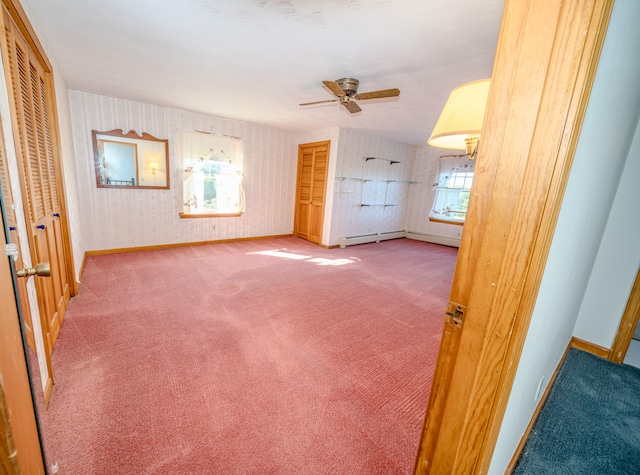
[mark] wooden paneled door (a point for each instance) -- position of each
(35, 137)
(313, 164)
(545, 65)
(10, 218)
(20, 449)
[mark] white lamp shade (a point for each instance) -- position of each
(461, 118)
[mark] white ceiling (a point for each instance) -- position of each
(256, 60)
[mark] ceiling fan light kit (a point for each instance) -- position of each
(346, 92)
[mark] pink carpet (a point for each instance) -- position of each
(264, 357)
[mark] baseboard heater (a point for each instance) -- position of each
(367, 238)
(434, 238)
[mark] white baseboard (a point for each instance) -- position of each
(434, 238)
(377, 237)
(367, 238)
(353, 240)
(391, 235)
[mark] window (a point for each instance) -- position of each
(211, 175)
(452, 190)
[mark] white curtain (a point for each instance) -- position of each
(212, 168)
(451, 189)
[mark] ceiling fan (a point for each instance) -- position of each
(346, 91)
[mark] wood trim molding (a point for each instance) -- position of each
(589, 347)
(80, 272)
(48, 387)
(628, 324)
(545, 65)
(446, 221)
(210, 215)
(179, 244)
(24, 25)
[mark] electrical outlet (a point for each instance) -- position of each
(535, 399)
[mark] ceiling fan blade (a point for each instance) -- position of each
(351, 106)
(378, 94)
(334, 87)
(318, 102)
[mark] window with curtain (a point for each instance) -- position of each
(452, 189)
(211, 175)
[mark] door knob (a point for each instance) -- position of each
(43, 269)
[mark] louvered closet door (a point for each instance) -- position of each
(316, 210)
(39, 188)
(10, 218)
(305, 177)
(313, 160)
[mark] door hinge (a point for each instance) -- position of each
(12, 251)
(455, 314)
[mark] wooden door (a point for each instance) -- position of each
(544, 68)
(313, 164)
(32, 95)
(10, 218)
(18, 427)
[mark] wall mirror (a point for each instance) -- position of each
(130, 160)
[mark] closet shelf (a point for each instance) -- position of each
(353, 178)
(399, 181)
(391, 162)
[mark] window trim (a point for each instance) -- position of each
(445, 221)
(210, 215)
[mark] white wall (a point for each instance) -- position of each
(69, 174)
(122, 218)
(608, 130)
(617, 261)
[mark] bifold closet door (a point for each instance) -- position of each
(313, 164)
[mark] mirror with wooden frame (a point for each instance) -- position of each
(130, 160)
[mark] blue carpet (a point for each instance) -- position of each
(590, 423)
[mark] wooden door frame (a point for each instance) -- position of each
(296, 217)
(628, 324)
(545, 64)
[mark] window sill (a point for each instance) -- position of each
(211, 215)
(446, 221)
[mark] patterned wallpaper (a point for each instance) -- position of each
(350, 191)
(122, 218)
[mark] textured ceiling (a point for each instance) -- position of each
(256, 60)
